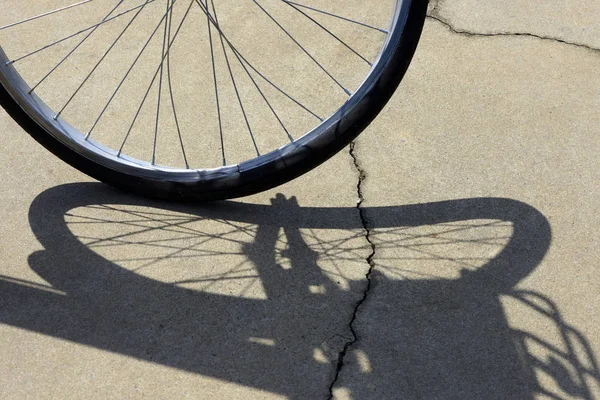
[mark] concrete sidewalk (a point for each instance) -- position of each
(451, 253)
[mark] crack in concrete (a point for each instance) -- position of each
(362, 176)
(342, 355)
(448, 25)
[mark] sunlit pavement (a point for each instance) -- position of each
(452, 253)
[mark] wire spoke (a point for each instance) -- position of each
(216, 84)
(114, 43)
(336, 16)
(302, 47)
(74, 49)
(247, 72)
(76, 33)
(126, 75)
(239, 55)
(237, 93)
(45, 14)
(187, 165)
(273, 84)
(284, 69)
(328, 31)
(240, 60)
(160, 80)
(154, 79)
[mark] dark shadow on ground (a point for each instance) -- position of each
(447, 338)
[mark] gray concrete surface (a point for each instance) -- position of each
(451, 253)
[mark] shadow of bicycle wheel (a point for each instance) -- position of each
(256, 295)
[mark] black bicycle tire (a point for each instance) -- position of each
(263, 177)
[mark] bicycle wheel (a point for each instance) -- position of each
(197, 99)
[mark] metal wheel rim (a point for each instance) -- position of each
(71, 137)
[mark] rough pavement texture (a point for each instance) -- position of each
(451, 252)
(489, 109)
